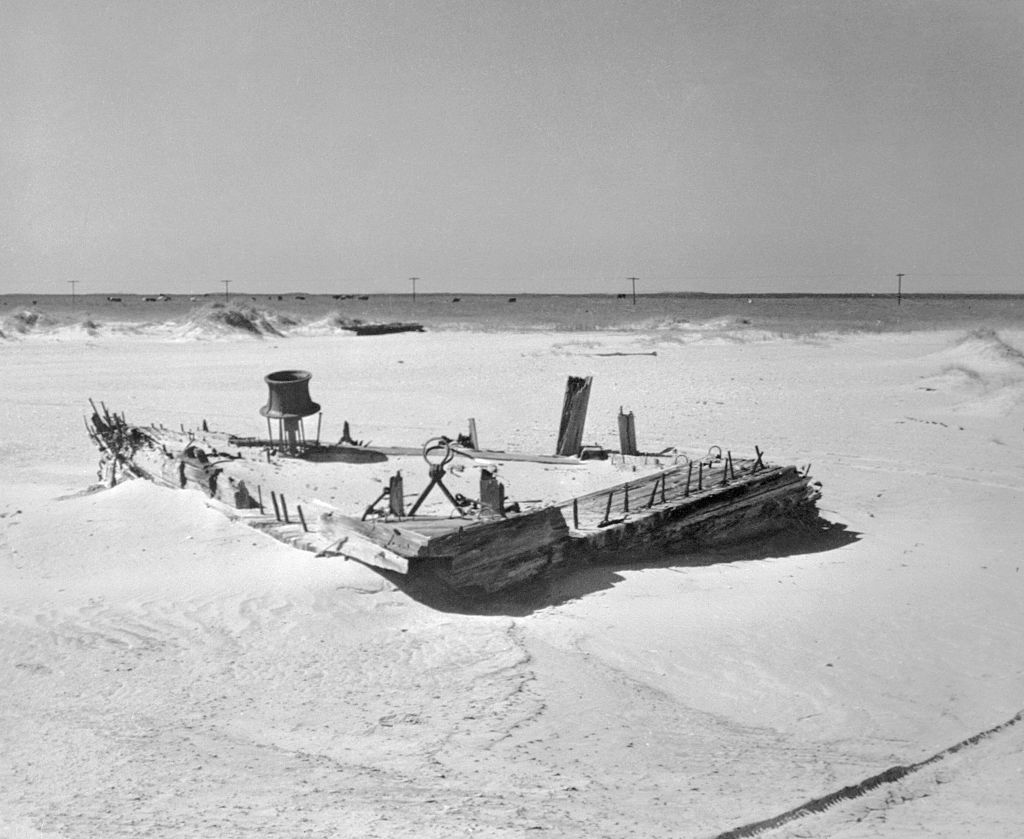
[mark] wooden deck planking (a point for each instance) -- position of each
(593, 508)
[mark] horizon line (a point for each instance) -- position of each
(617, 295)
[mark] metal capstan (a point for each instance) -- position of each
(289, 403)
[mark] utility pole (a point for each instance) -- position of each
(899, 289)
(73, 283)
(633, 280)
(226, 284)
(413, 281)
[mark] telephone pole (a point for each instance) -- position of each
(226, 284)
(73, 283)
(633, 280)
(899, 289)
(413, 281)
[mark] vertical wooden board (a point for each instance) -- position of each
(574, 415)
(492, 494)
(396, 495)
(627, 433)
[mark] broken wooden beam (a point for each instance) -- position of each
(574, 416)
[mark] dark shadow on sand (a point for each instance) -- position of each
(565, 585)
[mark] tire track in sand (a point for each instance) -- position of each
(848, 793)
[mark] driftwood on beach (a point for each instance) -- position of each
(362, 328)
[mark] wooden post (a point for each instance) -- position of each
(654, 492)
(689, 474)
(492, 494)
(284, 510)
(277, 512)
(574, 416)
(700, 476)
(259, 493)
(302, 518)
(396, 495)
(576, 514)
(627, 432)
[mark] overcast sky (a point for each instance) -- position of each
(511, 146)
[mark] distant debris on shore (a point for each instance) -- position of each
(361, 327)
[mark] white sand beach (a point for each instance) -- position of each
(171, 673)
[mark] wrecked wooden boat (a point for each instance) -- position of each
(579, 505)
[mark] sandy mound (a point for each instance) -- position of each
(982, 368)
(217, 320)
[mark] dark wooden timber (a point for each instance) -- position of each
(574, 415)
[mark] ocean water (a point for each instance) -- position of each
(687, 315)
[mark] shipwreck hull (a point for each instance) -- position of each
(682, 507)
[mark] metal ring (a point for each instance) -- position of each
(438, 444)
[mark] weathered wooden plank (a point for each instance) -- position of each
(714, 518)
(593, 507)
(574, 415)
(342, 540)
(392, 535)
(627, 433)
(516, 533)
